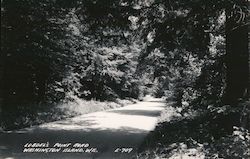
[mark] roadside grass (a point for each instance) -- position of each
(199, 135)
(84, 107)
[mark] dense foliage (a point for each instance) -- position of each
(56, 51)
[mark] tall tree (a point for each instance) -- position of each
(237, 53)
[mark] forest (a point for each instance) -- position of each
(194, 53)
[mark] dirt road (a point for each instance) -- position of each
(109, 134)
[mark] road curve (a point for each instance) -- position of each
(116, 133)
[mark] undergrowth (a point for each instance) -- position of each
(203, 134)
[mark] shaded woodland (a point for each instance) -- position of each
(195, 53)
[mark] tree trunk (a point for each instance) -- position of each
(248, 92)
(1, 68)
(1, 89)
(237, 58)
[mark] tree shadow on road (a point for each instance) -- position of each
(150, 113)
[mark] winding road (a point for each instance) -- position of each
(116, 133)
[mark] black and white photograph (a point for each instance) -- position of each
(125, 79)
